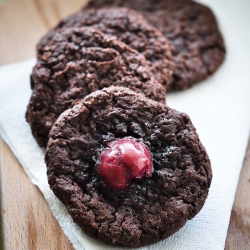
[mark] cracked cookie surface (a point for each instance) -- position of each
(197, 45)
(77, 62)
(149, 209)
(132, 29)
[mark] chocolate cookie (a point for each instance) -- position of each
(130, 171)
(132, 29)
(76, 62)
(197, 45)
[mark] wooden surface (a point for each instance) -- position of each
(238, 235)
(27, 221)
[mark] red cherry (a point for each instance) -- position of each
(124, 160)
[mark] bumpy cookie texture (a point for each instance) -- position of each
(132, 29)
(197, 45)
(148, 209)
(76, 62)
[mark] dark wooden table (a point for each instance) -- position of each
(27, 222)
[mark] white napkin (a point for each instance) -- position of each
(219, 109)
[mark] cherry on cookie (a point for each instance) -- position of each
(124, 160)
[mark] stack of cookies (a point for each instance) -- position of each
(130, 170)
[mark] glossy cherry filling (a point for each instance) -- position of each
(124, 160)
